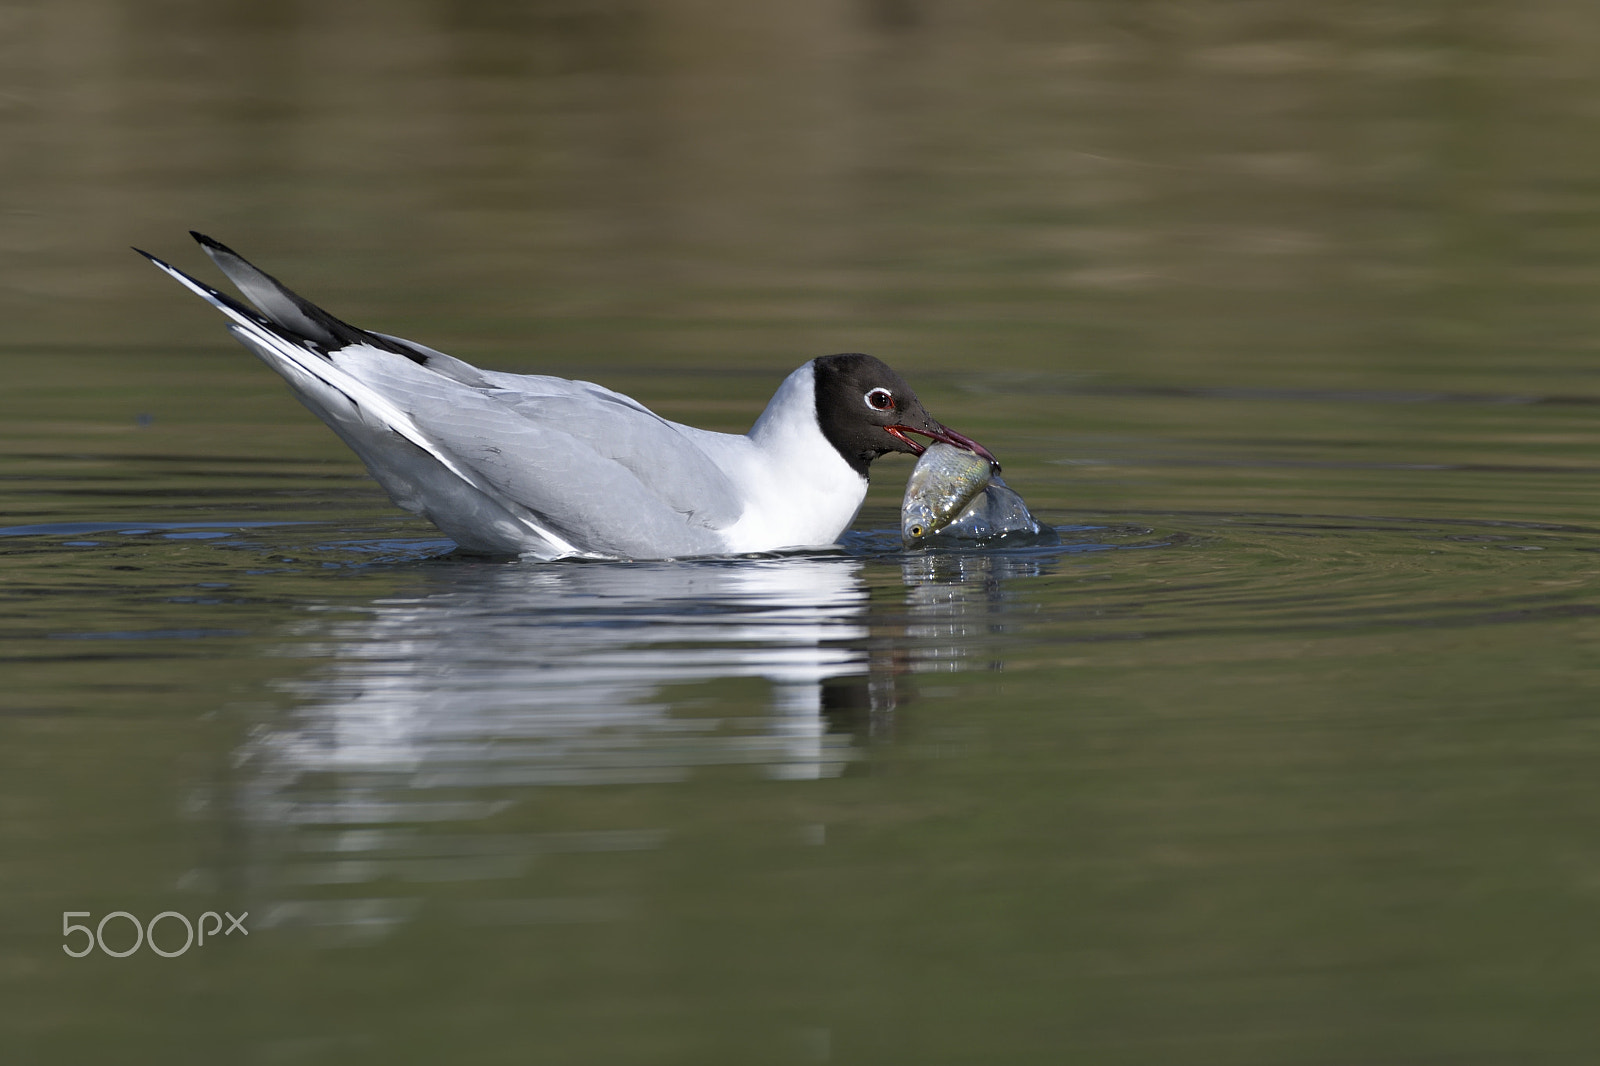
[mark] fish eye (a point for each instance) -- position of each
(880, 399)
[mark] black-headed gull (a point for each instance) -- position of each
(515, 464)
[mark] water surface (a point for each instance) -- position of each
(1284, 754)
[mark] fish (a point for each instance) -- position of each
(945, 480)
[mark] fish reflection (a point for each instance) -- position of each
(958, 611)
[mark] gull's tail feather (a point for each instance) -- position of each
(298, 359)
(322, 359)
(292, 312)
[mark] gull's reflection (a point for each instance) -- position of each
(440, 708)
(521, 675)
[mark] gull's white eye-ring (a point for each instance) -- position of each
(880, 399)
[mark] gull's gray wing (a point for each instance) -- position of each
(593, 464)
(527, 459)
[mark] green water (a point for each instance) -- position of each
(1284, 316)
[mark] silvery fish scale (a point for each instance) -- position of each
(944, 481)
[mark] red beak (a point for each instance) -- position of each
(944, 435)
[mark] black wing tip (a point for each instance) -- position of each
(337, 329)
(144, 253)
(212, 245)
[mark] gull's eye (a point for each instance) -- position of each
(880, 400)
